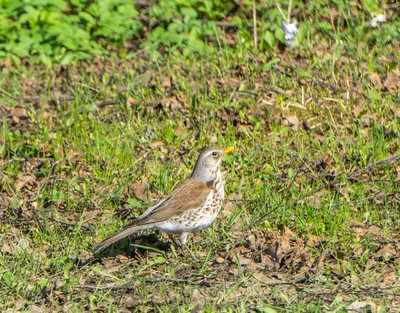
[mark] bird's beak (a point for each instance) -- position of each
(227, 150)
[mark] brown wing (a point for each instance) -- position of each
(190, 194)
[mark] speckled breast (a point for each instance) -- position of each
(200, 218)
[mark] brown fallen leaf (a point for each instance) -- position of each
(167, 81)
(356, 111)
(250, 240)
(392, 81)
(132, 100)
(156, 144)
(139, 190)
(359, 305)
(37, 309)
(23, 180)
(243, 261)
(180, 130)
(227, 209)
(375, 79)
(19, 112)
(291, 120)
(387, 251)
(198, 299)
(219, 260)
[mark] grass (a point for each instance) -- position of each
(305, 131)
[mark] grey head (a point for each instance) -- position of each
(208, 163)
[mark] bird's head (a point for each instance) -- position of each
(208, 163)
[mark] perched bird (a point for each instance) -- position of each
(191, 207)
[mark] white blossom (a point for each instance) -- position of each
(290, 28)
(377, 18)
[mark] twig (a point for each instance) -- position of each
(182, 281)
(100, 288)
(35, 98)
(289, 10)
(377, 163)
(105, 103)
(271, 284)
(32, 219)
(101, 105)
(357, 173)
(149, 281)
(375, 196)
(280, 11)
(24, 159)
(17, 221)
(88, 87)
(252, 93)
(315, 190)
(255, 25)
(332, 183)
(87, 228)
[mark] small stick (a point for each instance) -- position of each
(289, 10)
(280, 11)
(255, 24)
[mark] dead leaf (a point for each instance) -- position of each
(392, 81)
(23, 180)
(19, 112)
(121, 258)
(359, 305)
(214, 139)
(227, 209)
(375, 78)
(198, 299)
(37, 309)
(220, 260)
(167, 82)
(356, 111)
(19, 304)
(130, 302)
(243, 261)
(261, 277)
(5, 248)
(387, 251)
(250, 240)
(132, 100)
(139, 190)
(291, 120)
(156, 144)
(180, 130)
(398, 174)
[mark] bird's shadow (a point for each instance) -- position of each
(134, 248)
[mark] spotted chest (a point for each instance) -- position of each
(199, 218)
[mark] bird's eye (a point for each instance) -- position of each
(214, 153)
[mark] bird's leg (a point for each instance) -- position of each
(183, 239)
(176, 243)
(181, 244)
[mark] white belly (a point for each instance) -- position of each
(177, 227)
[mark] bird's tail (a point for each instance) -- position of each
(122, 234)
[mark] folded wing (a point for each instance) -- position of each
(190, 195)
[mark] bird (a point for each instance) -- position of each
(190, 207)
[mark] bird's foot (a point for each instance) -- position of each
(182, 247)
(190, 253)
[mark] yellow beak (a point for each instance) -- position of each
(229, 149)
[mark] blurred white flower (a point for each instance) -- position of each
(377, 18)
(290, 28)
